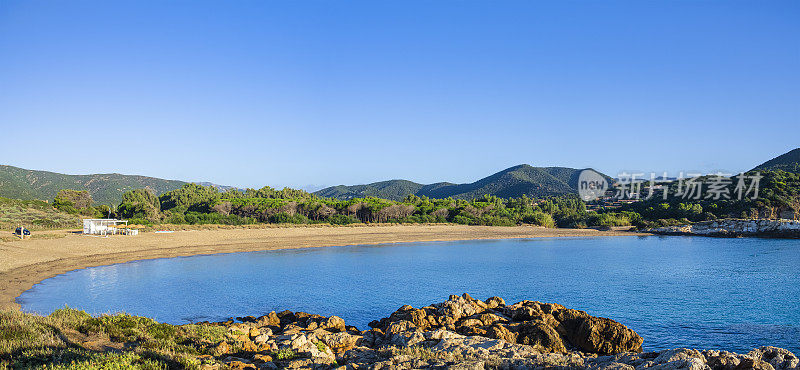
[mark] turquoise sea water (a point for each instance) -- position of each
(732, 294)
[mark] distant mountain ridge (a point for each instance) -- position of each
(789, 162)
(512, 182)
(19, 183)
(221, 188)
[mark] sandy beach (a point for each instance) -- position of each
(25, 263)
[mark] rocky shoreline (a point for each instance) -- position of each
(462, 333)
(735, 228)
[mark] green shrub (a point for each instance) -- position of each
(285, 354)
(191, 218)
(539, 218)
(342, 220)
(140, 221)
(175, 219)
(463, 220)
(69, 316)
(285, 218)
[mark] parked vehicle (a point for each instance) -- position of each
(21, 231)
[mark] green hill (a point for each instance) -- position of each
(512, 182)
(25, 184)
(391, 189)
(789, 162)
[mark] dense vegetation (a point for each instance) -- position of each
(779, 197)
(79, 202)
(194, 204)
(19, 183)
(513, 182)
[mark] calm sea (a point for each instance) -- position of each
(732, 294)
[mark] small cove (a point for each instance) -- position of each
(732, 294)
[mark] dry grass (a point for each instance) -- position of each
(34, 215)
(73, 339)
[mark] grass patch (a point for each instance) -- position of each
(73, 339)
(285, 354)
(34, 215)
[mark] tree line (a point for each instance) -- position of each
(196, 204)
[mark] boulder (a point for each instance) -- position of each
(495, 302)
(340, 342)
(334, 324)
(722, 359)
(490, 318)
(753, 364)
(261, 359)
(222, 348)
(779, 358)
(501, 332)
(261, 339)
(596, 334)
(270, 319)
(549, 327)
(541, 337)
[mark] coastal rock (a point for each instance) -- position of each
(481, 347)
(501, 332)
(466, 333)
(722, 359)
(495, 302)
(261, 339)
(541, 336)
(333, 323)
(238, 363)
(783, 228)
(779, 358)
(341, 342)
(605, 336)
(680, 358)
(270, 319)
(222, 348)
(548, 327)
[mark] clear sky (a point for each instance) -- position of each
(292, 93)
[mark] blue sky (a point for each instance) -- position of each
(292, 93)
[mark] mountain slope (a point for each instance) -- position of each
(25, 184)
(789, 162)
(512, 182)
(391, 189)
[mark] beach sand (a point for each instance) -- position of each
(24, 263)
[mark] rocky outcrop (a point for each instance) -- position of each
(735, 228)
(547, 327)
(462, 333)
(282, 339)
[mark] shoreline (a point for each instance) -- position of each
(26, 263)
(461, 332)
(735, 228)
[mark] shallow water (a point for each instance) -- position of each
(732, 294)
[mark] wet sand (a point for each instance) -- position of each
(24, 263)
